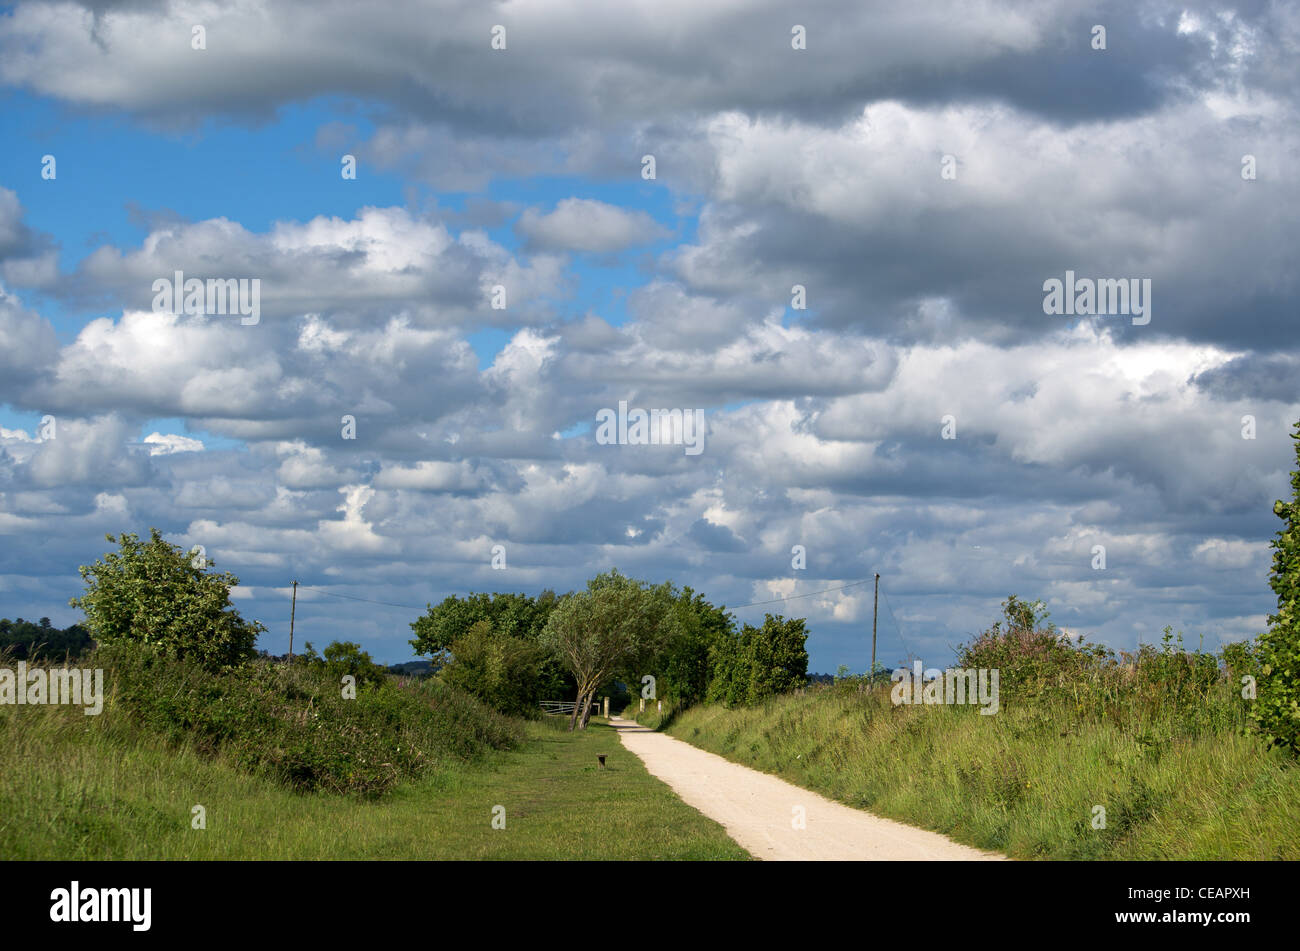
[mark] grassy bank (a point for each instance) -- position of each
(108, 787)
(1023, 782)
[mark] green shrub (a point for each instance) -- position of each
(156, 594)
(1165, 689)
(1277, 710)
(293, 724)
(501, 670)
(759, 662)
(1030, 654)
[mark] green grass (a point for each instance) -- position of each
(78, 787)
(1023, 782)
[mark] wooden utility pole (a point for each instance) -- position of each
(293, 609)
(875, 607)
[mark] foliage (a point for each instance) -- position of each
(1027, 650)
(23, 640)
(346, 657)
(616, 623)
(511, 615)
(293, 724)
(499, 669)
(153, 593)
(775, 655)
(759, 662)
(1172, 690)
(683, 668)
(1277, 710)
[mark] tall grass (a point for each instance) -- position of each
(1026, 781)
(1143, 755)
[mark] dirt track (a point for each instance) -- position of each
(759, 811)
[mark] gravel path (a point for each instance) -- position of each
(762, 812)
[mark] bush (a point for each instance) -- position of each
(1028, 651)
(1277, 710)
(154, 593)
(292, 724)
(683, 668)
(500, 670)
(1166, 688)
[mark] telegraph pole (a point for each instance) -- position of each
(293, 609)
(875, 608)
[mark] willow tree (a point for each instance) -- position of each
(614, 623)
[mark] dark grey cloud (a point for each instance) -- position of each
(1254, 376)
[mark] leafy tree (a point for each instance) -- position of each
(759, 662)
(614, 623)
(1277, 706)
(152, 593)
(729, 680)
(684, 667)
(23, 640)
(500, 670)
(512, 615)
(508, 615)
(347, 657)
(776, 657)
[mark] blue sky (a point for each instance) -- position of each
(821, 168)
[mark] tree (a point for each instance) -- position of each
(347, 657)
(759, 662)
(513, 615)
(153, 593)
(500, 670)
(776, 658)
(1277, 706)
(23, 640)
(684, 667)
(616, 621)
(508, 615)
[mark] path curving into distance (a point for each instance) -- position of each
(759, 811)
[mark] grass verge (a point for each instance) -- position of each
(78, 787)
(1026, 782)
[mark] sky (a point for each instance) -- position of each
(825, 229)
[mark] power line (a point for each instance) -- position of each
(419, 607)
(898, 627)
(391, 604)
(795, 597)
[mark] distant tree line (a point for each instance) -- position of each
(513, 650)
(509, 650)
(23, 640)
